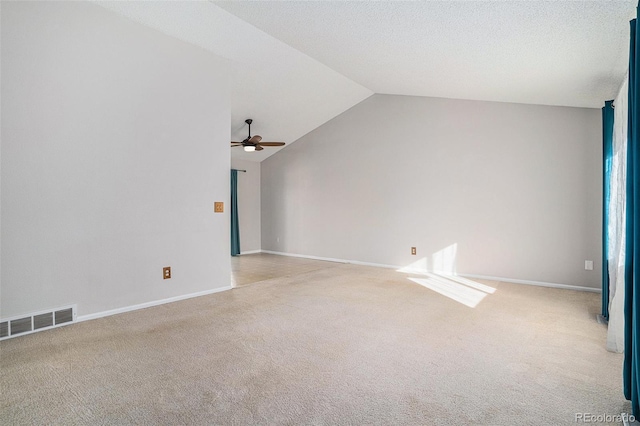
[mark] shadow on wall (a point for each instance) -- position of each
(441, 277)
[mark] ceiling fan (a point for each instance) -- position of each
(253, 143)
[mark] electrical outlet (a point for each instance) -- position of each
(166, 272)
(413, 251)
(588, 265)
(218, 207)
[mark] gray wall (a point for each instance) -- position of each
(248, 204)
(115, 145)
(484, 188)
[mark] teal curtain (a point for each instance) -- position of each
(607, 157)
(631, 376)
(235, 226)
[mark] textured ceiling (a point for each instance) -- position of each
(298, 64)
(568, 53)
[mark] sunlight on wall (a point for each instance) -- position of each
(442, 278)
(444, 261)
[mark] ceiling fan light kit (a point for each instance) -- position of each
(254, 143)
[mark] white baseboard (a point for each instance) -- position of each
(482, 277)
(250, 252)
(536, 283)
(376, 265)
(331, 259)
(305, 256)
(110, 312)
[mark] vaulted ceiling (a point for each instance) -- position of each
(297, 64)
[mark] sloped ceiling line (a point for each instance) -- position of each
(298, 64)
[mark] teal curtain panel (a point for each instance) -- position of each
(235, 226)
(607, 158)
(631, 364)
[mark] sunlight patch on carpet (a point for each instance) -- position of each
(454, 290)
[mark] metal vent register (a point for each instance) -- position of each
(38, 321)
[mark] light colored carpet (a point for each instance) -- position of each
(339, 345)
(253, 268)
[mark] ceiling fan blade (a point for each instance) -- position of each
(235, 142)
(259, 148)
(255, 139)
(233, 146)
(272, 143)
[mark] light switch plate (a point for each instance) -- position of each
(218, 207)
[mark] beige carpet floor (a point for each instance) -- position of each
(338, 345)
(253, 268)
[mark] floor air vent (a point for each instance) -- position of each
(44, 320)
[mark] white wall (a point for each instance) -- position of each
(248, 204)
(513, 190)
(114, 147)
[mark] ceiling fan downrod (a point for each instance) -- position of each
(249, 121)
